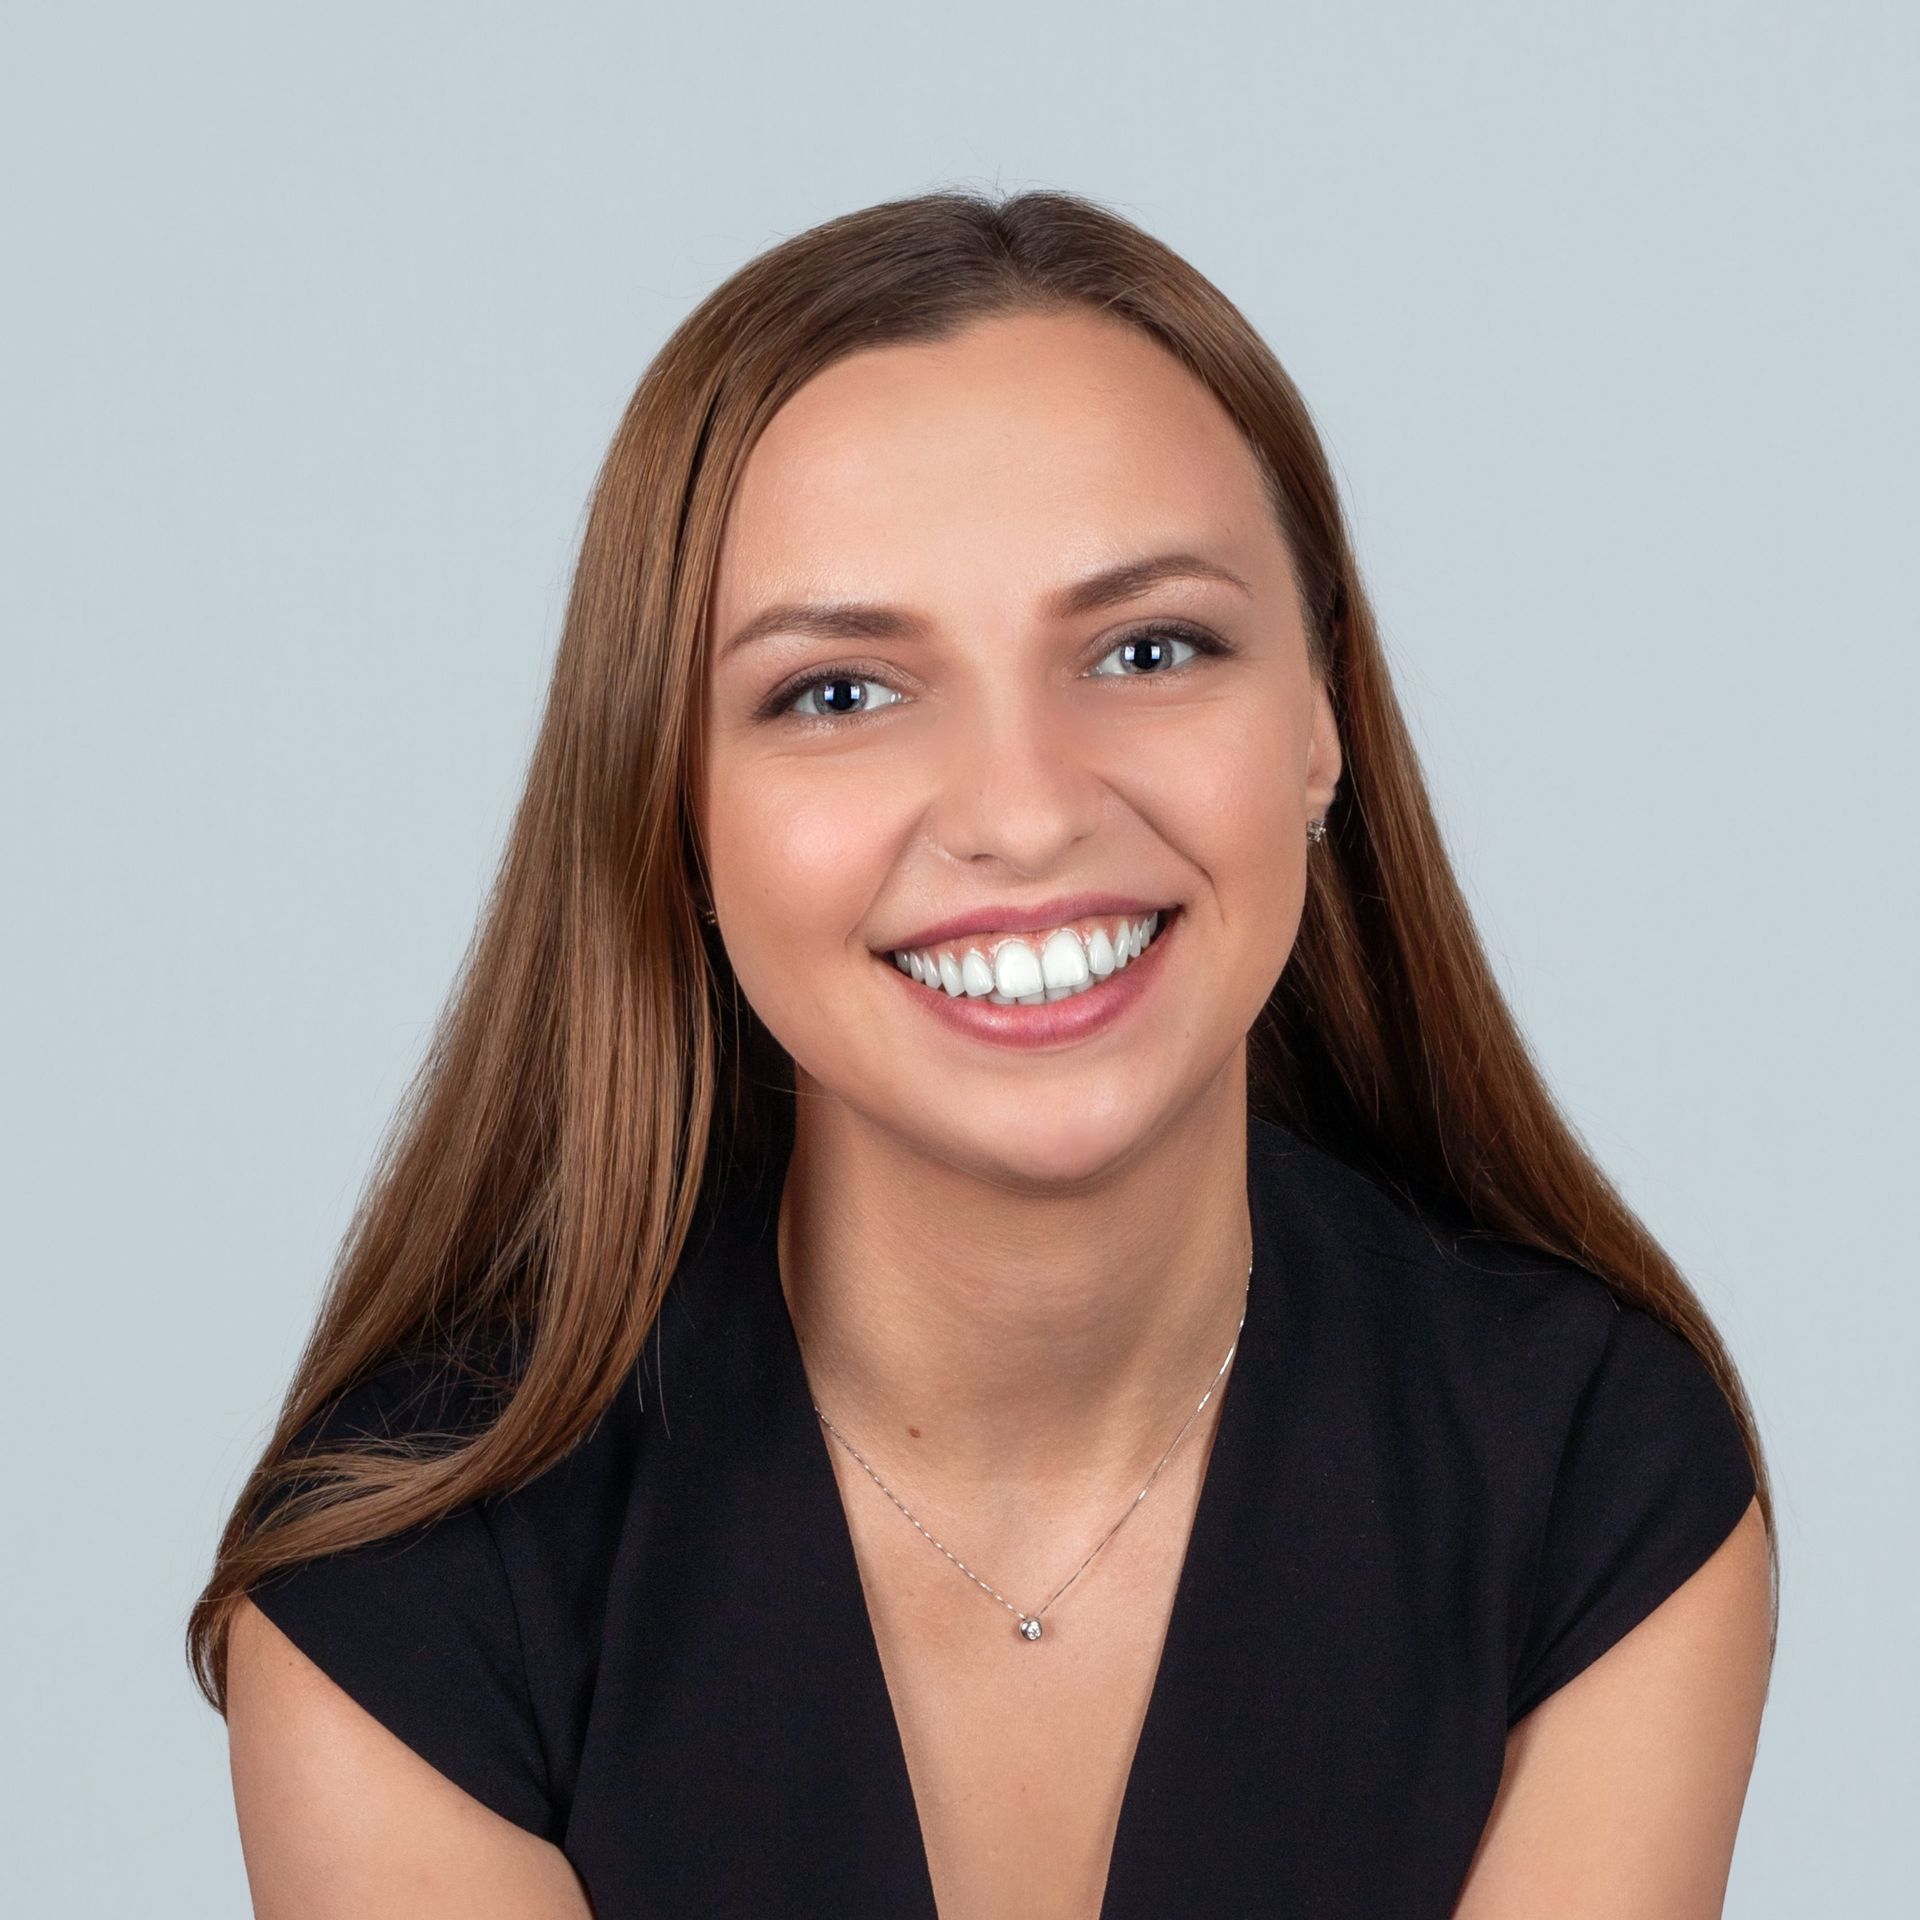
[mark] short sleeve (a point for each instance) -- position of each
(420, 1629)
(1653, 1478)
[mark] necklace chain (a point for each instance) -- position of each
(1029, 1623)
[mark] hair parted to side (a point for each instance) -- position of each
(596, 1058)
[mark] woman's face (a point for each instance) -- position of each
(977, 738)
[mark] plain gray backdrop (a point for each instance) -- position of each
(317, 321)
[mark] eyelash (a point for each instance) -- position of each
(778, 704)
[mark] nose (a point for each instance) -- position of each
(1018, 782)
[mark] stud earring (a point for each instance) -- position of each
(1316, 831)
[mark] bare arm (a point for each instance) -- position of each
(341, 1820)
(1622, 1791)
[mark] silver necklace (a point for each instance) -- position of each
(1029, 1623)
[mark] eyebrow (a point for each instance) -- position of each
(865, 620)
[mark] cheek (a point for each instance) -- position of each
(1236, 791)
(800, 850)
(1239, 820)
(805, 836)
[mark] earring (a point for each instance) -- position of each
(709, 916)
(1316, 831)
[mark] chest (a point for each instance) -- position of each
(795, 1704)
(1020, 1753)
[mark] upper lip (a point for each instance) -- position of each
(1030, 919)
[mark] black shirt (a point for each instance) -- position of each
(1448, 1473)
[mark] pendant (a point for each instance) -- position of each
(1030, 1629)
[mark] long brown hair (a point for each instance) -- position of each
(596, 1058)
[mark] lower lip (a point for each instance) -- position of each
(1053, 1023)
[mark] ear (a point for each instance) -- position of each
(1324, 761)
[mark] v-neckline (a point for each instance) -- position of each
(1156, 1776)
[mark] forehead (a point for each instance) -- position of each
(989, 465)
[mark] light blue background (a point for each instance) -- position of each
(317, 321)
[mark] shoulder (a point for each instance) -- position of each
(1623, 1791)
(338, 1815)
(1589, 1443)
(1539, 1340)
(416, 1397)
(1487, 1316)
(468, 1636)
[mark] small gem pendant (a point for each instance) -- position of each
(1030, 1629)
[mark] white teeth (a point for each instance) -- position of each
(1016, 974)
(1063, 960)
(1016, 970)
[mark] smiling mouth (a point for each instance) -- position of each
(1030, 970)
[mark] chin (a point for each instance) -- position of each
(1011, 1148)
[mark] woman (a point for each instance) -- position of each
(915, 1094)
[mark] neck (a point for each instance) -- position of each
(1014, 1346)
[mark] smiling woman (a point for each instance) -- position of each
(976, 1026)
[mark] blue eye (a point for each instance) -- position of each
(836, 678)
(1149, 651)
(1153, 644)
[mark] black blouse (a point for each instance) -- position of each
(1448, 1473)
